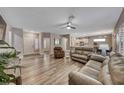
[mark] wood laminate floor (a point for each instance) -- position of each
(37, 70)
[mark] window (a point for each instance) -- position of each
(36, 44)
(57, 41)
(121, 40)
(99, 40)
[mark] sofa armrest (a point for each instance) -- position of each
(98, 58)
(77, 78)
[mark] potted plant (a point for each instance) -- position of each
(8, 60)
(4, 61)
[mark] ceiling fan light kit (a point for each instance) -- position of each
(68, 27)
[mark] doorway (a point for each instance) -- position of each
(64, 43)
(104, 47)
(46, 44)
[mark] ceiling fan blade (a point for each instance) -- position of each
(73, 24)
(63, 24)
(73, 27)
(63, 27)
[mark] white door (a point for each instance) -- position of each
(28, 43)
(46, 44)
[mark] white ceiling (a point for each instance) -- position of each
(88, 20)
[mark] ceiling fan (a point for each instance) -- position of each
(69, 25)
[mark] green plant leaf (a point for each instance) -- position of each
(4, 59)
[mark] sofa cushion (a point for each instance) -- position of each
(94, 64)
(78, 59)
(77, 78)
(116, 68)
(87, 49)
(97, 57)
(86, 53)
(78, 52)
(90, 72)
(104, 75)
(78, 48)
(84, 57)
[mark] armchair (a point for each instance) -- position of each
(58, 52)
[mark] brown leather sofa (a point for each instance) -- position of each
(100, 71)
(81, 54)
(58, 52)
